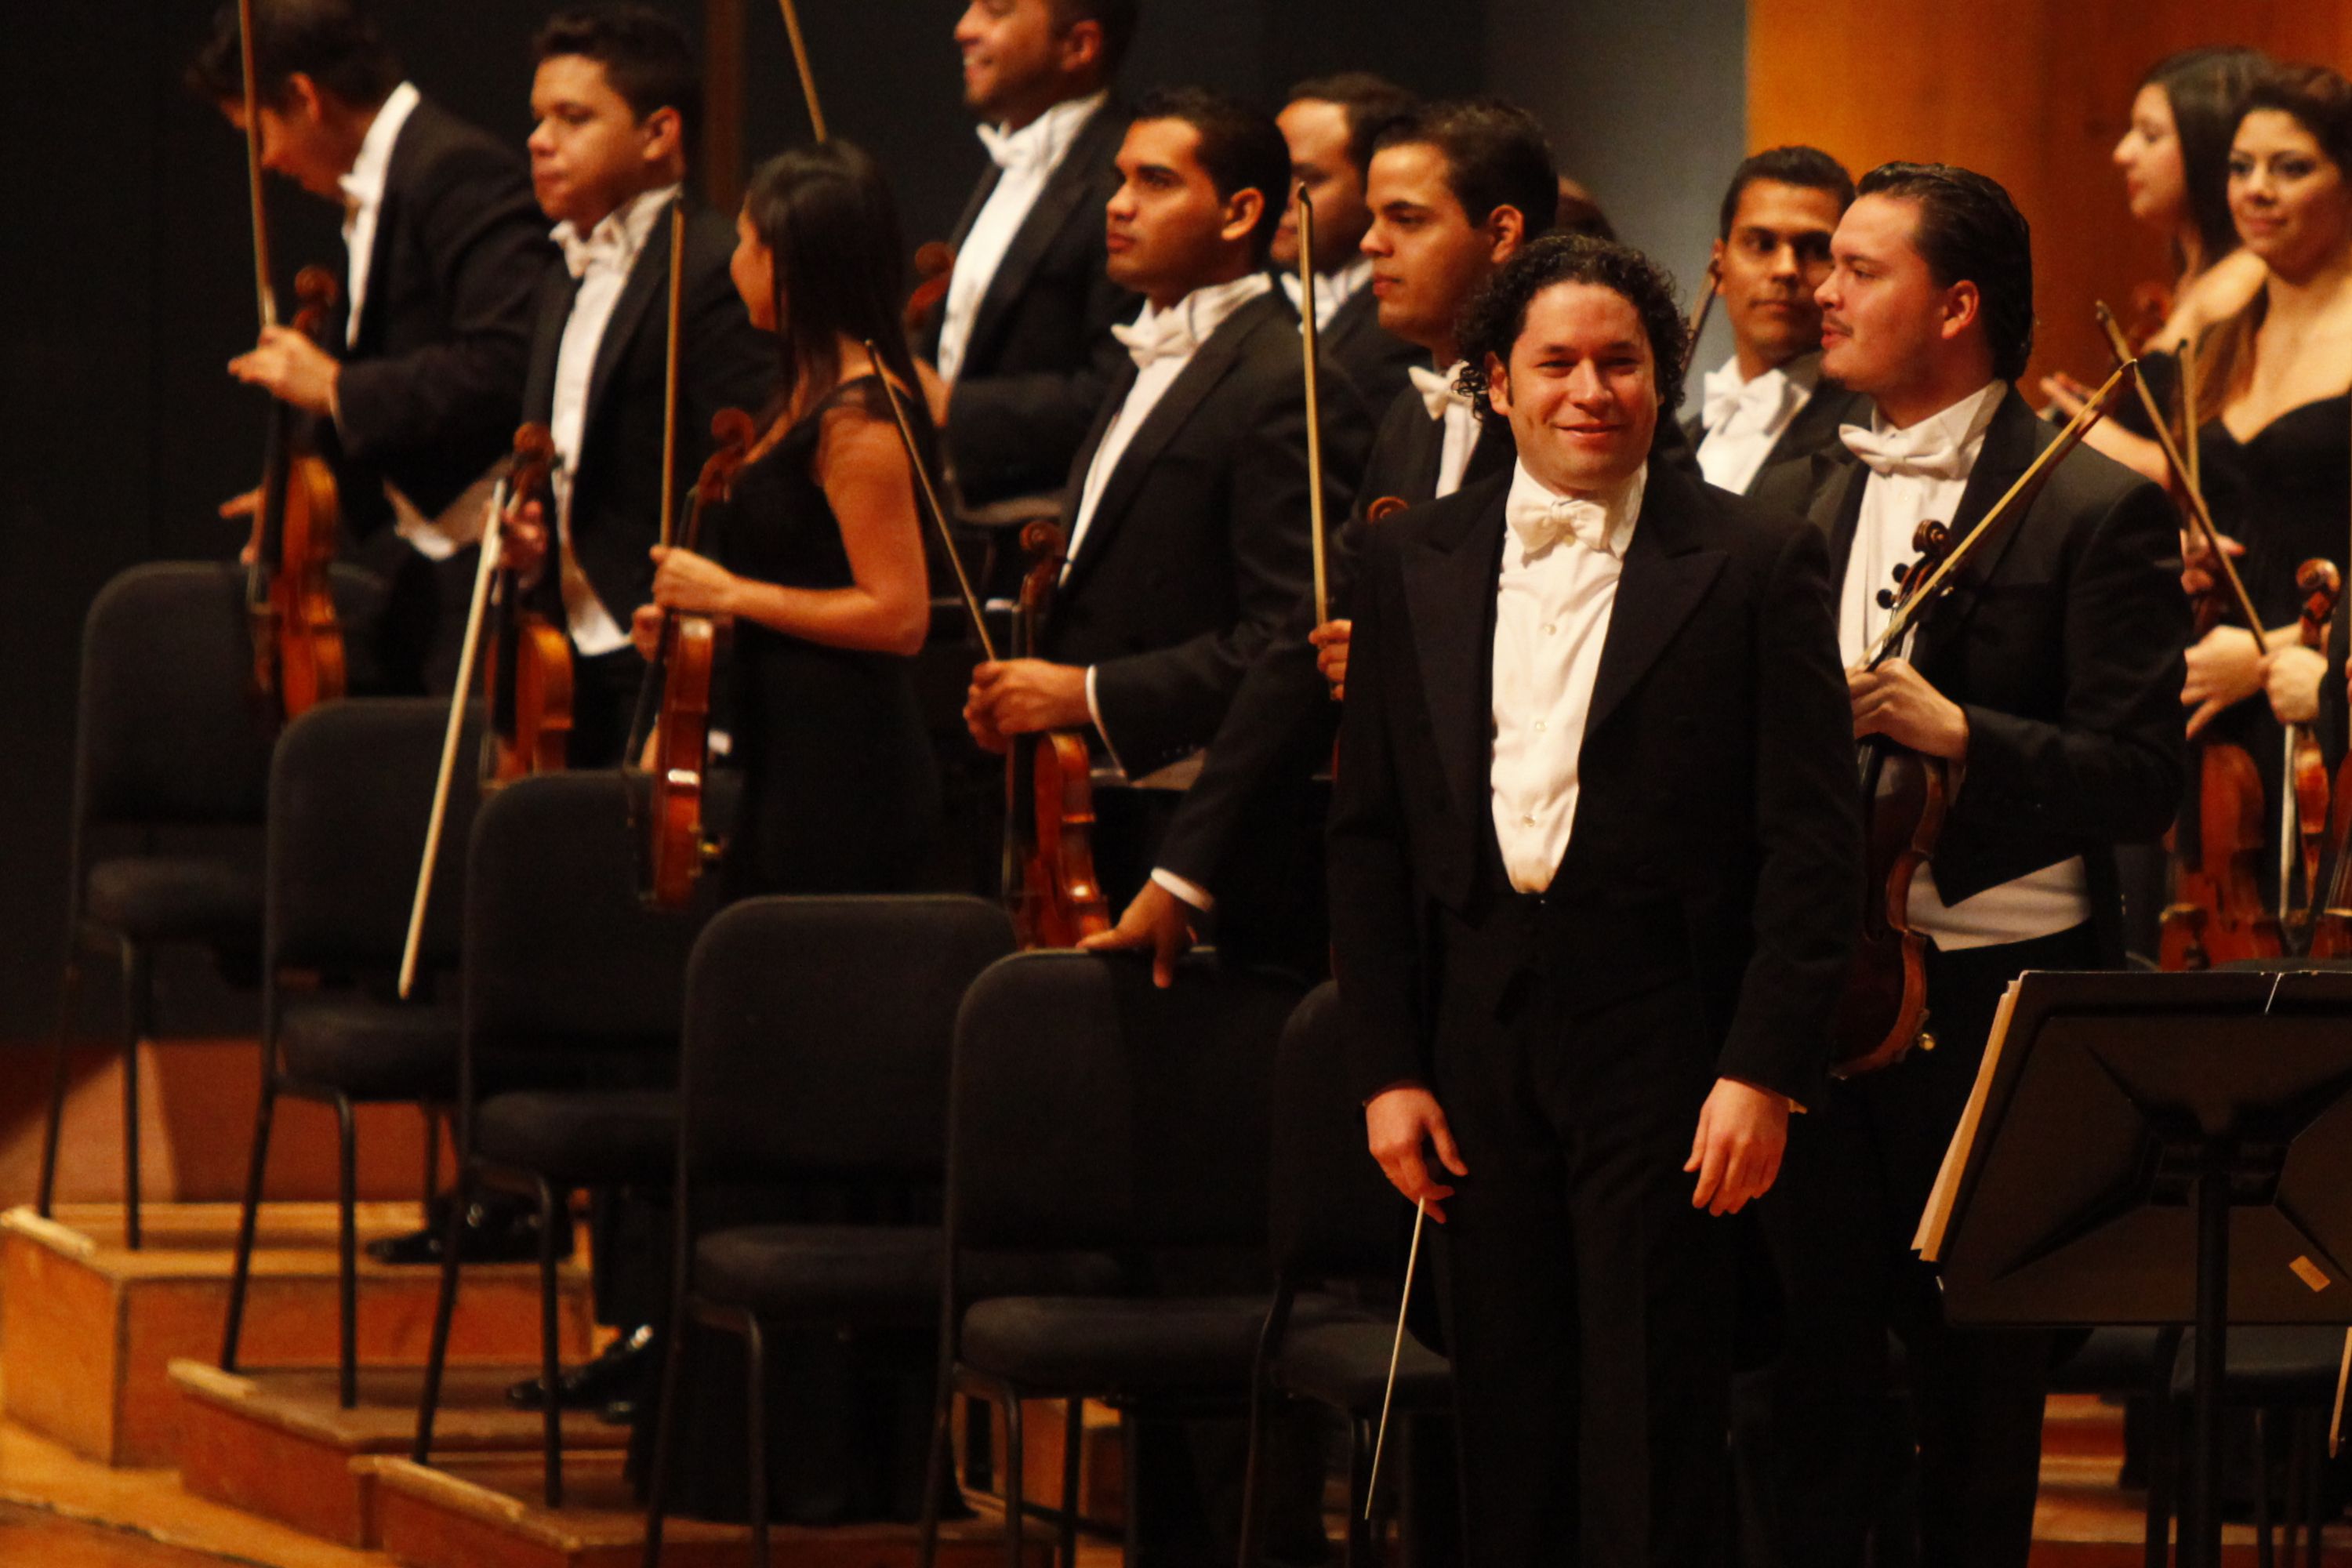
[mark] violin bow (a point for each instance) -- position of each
(1699, 316)
(1396, 1352)
(2018, 496)
(800, 59)
(649, 693)
(265, 297)
(1307, 329)
(930, 499)
(2182, 470)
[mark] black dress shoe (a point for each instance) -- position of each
(499, 1228)
(611, 1379)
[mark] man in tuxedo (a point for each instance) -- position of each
(1768, 404)
(1187, 508)
(1455, 190)
(418, 393)
(2049, 684)
(1023, 341)
(615, 96)
(1332, 124)
(1593, 848)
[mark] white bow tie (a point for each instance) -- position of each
(1727, 394)
(606, 243)
(1542, 521)
(1437, 389)
(1013, 151)
(1158, 335)
(1924, 451)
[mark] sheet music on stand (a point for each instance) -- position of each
(1929, 1241)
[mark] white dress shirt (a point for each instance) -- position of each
(363, 196)
(1332, 289)
(601, 262)
(1026, 160)
(1917, 473)
(1562, 557)
(1743, 418)
(1162, 343)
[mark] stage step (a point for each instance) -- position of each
(88, 1329)
(483, 1511)
(278, 1444)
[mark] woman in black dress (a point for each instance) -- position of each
(818, 560)
(2278, 448)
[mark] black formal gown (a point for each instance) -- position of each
(2285, 494)
(841, 789)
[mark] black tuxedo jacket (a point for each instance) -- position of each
(723, 362)
(1041, 355)
(432, 383)
(1376, 361)
(1281, 724)
(1784, 480)
(1716, 843)
(1199, 546)
(2062, 640)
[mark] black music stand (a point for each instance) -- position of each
(2160, 1148)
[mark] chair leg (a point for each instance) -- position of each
(1015, 1456)
(69, 1004)
(241, 1271)
(550, 1366)
(444, 1309)
(1074, 1452)
(2265, 1547)
(1358, 1552)
(665, 1427)
(2315, 1500)
(347, 1247)
(138, 1011)
(2163, 1451)
(432, 1159)
(755, 1424)
(939, 1463)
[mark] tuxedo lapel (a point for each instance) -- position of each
(1074, 492)
(1666, 574)
(2010, 444)
(547, 343)
(1836, 510)
(980, 192)
(1815, 428)
(1065, 188)
(648, 280)
(1449, 582)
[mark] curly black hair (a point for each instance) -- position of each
(1499, 314)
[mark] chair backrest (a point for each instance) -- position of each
(1092, 1110)
(351, 788)
(818, 1033)
(560, 952)
(1332, 1214)
(169, 728)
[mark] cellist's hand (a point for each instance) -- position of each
(1897, 701)
(522, 540)
(694, 583)
(245, 507)
(1025, 696)
(645, 630)
(1158, 920)
(2292, 677)
(1330, 640)
(292, 368)
(2225, 668)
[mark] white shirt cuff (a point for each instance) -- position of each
(1094, 711)
(1192, 893)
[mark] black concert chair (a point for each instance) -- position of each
(567, 1064)
(1093, 1113)
(169, 737)
(1333, 1221)
(2283, 1376)
(349, 791)
(817, 1040)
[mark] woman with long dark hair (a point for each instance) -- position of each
(819, 559)
(2174, 157)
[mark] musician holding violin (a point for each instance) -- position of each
(817, 560)
(416, 395)
(2045, 684)
(615, 96)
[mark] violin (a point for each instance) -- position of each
(527, 664)
(2331, 921)
(297, 644)
(677, 753)
(1883, 1011)
(2307, 766)
(934, 272)
(1049, 791)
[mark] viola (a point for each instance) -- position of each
(934, 272)
(298, 644)
(2304, 839)
(527, 664)
(1049, 790)
(2331, 924)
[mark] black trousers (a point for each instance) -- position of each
(604, 689)
(1589, 1306)
(1814, 1443)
